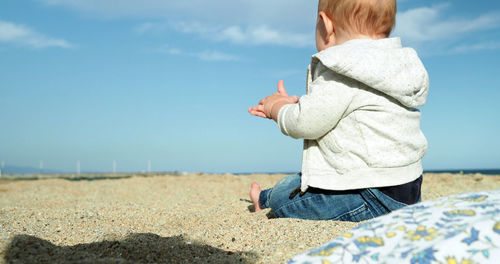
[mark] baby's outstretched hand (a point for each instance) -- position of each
(269, 107)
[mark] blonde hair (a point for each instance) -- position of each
(369, 17)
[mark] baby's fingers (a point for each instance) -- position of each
(281, 88)
(258, 108)
(252, 109)
(260, 114)
(257, 111)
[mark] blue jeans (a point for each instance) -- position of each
(318, 204)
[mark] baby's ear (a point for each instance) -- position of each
(329, 27)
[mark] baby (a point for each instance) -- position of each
(363, 146)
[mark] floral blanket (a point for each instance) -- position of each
(455, 229)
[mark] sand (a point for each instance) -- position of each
(166, 219)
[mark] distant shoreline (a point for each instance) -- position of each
(469, 171)
(463, 171)
(92, 176)
(18, 170)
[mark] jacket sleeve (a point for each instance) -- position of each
(320, 110)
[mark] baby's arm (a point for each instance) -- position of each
(270, 106)
(327, 102)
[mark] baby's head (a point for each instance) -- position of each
(343, 20)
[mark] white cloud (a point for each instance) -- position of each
(427, 24)
(476, 47)
(433, 31)
(212, 55)
(251, 35)
(265, 35)
(206, 55)
(23, 35)
(277, 22)
(144, 27)
(191, 27)
(258, 22)
(300, 14)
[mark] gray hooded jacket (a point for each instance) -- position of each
(359, 121)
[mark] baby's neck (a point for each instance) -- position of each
(342, 38)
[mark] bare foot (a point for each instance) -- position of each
(254, 196)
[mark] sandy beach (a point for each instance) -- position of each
(166, 219)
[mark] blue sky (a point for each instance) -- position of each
(170, 81)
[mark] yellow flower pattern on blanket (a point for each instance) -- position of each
(456, 229)
(366, 241)
(460, 213)
(422, 232)
(326, 251)
(453, 260)
(496, 227)
(390, 234)
(475, 198)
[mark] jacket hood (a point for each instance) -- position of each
(383, 65)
